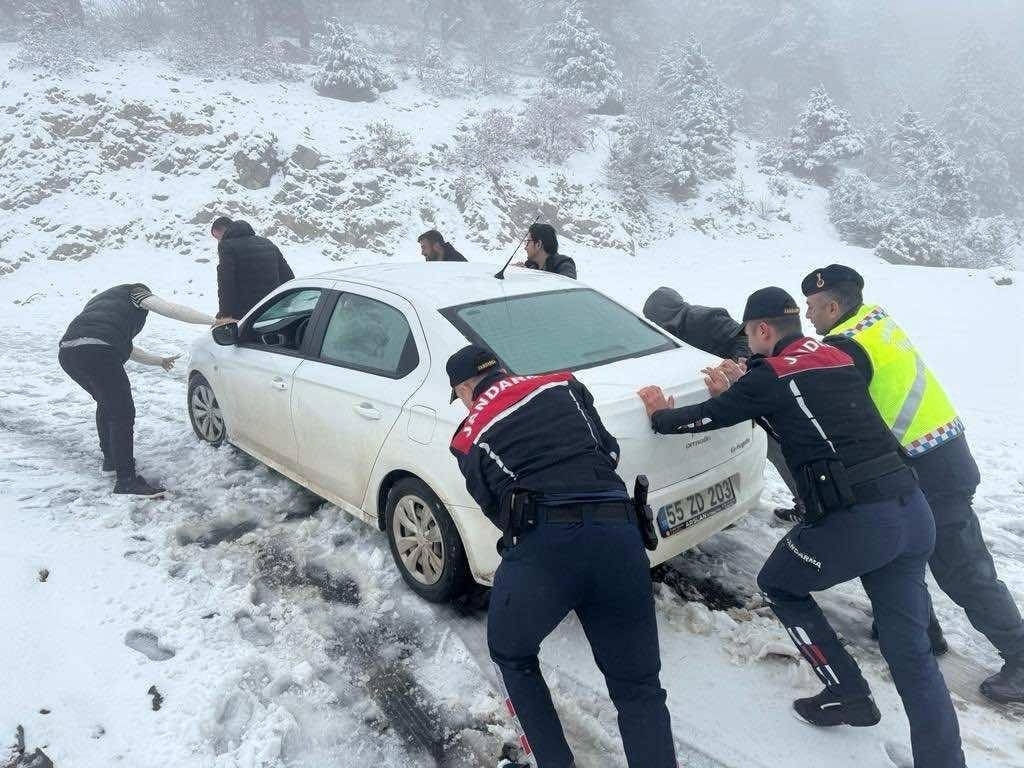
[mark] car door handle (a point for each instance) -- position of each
(367, 411)
(279, 383)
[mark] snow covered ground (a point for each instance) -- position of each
(242, 623)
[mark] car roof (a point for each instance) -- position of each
(444, 284)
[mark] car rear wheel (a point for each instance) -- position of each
(204, 411)
(425, 542)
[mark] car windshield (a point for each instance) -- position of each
(557, 330)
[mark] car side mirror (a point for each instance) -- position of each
(226, 335)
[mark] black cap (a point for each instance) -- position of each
(828, 277)
(768, 303)
(468, 362)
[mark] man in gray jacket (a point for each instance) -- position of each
(713, 330)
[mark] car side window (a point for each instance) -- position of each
(371, 336)
(282, 324)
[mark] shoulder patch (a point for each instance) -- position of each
(502, 398)
(807, 354)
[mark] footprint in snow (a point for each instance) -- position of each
(148, 644)
(257, 631)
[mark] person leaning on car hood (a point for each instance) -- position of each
(709, 329)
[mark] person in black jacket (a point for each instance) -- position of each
(541, 465)
(93, 352)
(713, 330)
(433, 247)
(962, 565)
(541, 246)
(249, 268)
(866, 517)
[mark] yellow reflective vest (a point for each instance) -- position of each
(907, 394)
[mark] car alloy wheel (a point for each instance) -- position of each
(418, 539)
(425, 542)
(204, 411)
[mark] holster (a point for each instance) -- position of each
(516, 514)
(644, 514)
(824, 487)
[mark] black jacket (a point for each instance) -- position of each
(115, 316)
(250, 267)
(709, 329)
(809, 396)
(450, 254)
(557, 263)
(537, 433)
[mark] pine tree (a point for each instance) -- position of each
(930, 179)
(347, 70)
(579, 60)
(822, 138)
(680, 134)
(698, 120)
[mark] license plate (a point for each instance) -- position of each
(697, 507)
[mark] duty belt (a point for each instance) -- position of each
(577, 513)
(881, 478)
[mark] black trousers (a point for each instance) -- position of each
(600, 570)
(886, 545)
(961, 564)
(99, 370)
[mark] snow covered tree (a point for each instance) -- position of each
(681, 134)
(348, 70)
(577, 59)
(860, 209)
(822, 138)
(929, 178)
(554, 125)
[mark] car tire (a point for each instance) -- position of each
(425, 543)
(204, 411)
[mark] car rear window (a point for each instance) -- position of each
(556, 330)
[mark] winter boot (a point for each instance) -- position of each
(1006, 685)
(137, 485)
(827, 709)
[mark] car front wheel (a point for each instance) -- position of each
(425, 542)
(204, 411)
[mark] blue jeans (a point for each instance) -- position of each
(887, 544)
(600, 570)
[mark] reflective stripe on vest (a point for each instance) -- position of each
(907, 394)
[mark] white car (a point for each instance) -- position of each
(338, 382)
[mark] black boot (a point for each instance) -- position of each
(1006, 685)
(826, 710)
(794, 514)
(122, 445)
(137, 485)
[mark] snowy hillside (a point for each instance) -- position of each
(241, 622)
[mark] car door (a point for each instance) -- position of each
(259, 372)
(370, 358)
